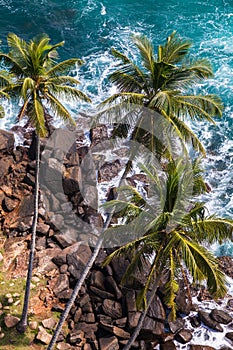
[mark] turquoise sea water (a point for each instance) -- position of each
(91, 27)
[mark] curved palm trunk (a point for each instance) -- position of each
(85, 272)
(78, 286)
(142, 317)
(22, 325)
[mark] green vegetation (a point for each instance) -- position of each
(12, 339)
(163, 83)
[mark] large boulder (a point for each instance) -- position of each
(7, 141)
(208, 321)
(220, 316)
(21, 217)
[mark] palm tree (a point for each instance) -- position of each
(171, 234)
(162, 82)
(151, 99)
(39, 85)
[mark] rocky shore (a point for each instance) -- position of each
(105, 313)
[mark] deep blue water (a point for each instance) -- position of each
(90, 28)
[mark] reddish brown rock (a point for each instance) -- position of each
(49, 323)
(97, 279)
(156, 310)
(119, 332)
(109, 170)
(183, 336)
(177, 325)
(133, 318)
(131, 301)
(7, 141)
(43, 336)
(109, 343)
(10, 204)
(11, 321)
(98, 134)
(77, 338)
(167, 346)
(112, 308)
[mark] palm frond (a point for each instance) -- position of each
(59, 109)
(35, 112)
(63, 80)
(14, 66)
(63, 67)
(187, 134)
(200, 107)
(171, 288)
(129, 67)
(27, 87)
(202, 261)
(174, 50)
(18, 46)
(213, 229)
(126, 82)
(146, 51)
(68, 92)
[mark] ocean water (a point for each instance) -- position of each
(91, 27)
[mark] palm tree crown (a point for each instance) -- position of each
(172, 236)
(163, 82)
(39, 81)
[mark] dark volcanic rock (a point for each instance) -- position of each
(184, 304)
(184, 336)
(177, 325)
(61, 284)
(208, 321)
(151, 329)
(97, 279)
(77, 338)
(98, 134)
(109, 343)
(7, 141)
(89, 329)
(119, 332)
(109, 170)
(156, 310)
(168, 346)
(112, 286)
(195, 322)
(112, 308)
(220, 316)
(229, 335)
(10, 204)
(101, 293)
(131, 301)
(21, 217)
(119, 265)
